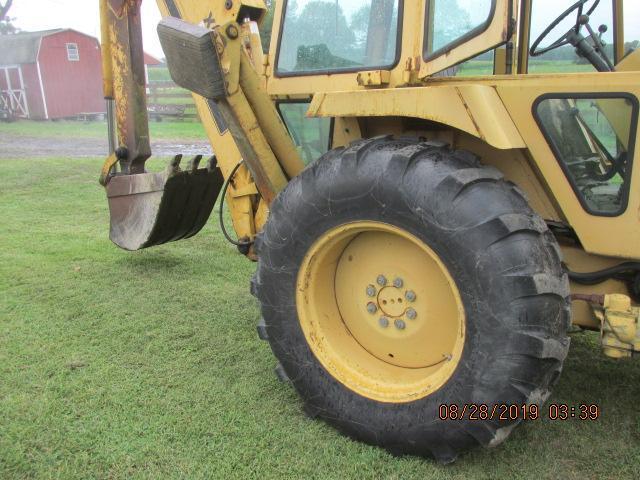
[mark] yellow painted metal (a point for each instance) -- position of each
(107, 64)
(230, 53)
(608, 236)
(630, 63)
(618, 118)
(253, 145)
(124, 32)
(107, 166)
(252, 44)
(265, 169)
(500, 61)
(387, 355)
(618, 32)
(488, 108)
(261, 215)
(620, 333)
(491, 116)
(269, 120)
(228, 155)
(345, 131)
(373, 78)
(524, 36)
(475, 109)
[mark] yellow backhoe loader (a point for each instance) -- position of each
(433, 199)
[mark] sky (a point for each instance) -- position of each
(83, 15)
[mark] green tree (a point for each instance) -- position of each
(267, 26)
(375, 28)
(360, 22)
(324, 23)
(631, 46)
(6, 25)
(450, 22)
(320, 29)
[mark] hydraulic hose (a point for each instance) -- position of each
(238, 243)
(593, 278)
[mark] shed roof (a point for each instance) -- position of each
(19, 48)
(150, 60)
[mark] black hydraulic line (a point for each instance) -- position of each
(593, 278)
(237, 243)
(560, 229)
(636, 287)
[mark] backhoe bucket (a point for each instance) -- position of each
(150, 209)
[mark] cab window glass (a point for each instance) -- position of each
(312, 136)
(333, 35)
(593, 139)
(477, 66)
(564, 59)
(449, 21)
(480, 65)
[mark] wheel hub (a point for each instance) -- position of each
(392, 321)
(391, 303)
(398, 331)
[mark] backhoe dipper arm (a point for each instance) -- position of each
(124, 78)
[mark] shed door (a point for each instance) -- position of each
(12, 93)
(457, 30)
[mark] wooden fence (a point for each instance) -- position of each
(167, 100)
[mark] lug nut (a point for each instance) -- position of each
(410, 296)
(400, 325)
(412, 314)
(372, 308)
(382, 280)
(398, 282)
(384, 322)
(371, 291)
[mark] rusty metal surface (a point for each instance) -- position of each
(129, 82)
(150, 209)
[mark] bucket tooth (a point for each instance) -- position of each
(174, 164)
(193, 163)
(212, 163)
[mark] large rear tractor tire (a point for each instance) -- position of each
(398, 276)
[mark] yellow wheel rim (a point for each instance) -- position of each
(380, 312)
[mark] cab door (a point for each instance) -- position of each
(457, 30)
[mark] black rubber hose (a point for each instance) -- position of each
(237, 243)
(636, 287)
(593, 278)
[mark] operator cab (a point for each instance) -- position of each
(352, 36)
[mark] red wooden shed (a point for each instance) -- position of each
(51, 74)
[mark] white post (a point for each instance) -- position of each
(24, 92)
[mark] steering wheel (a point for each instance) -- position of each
(562, 41)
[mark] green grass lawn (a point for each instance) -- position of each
(147, 365)
(179, 131)
(485, 67)
(159, 74)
